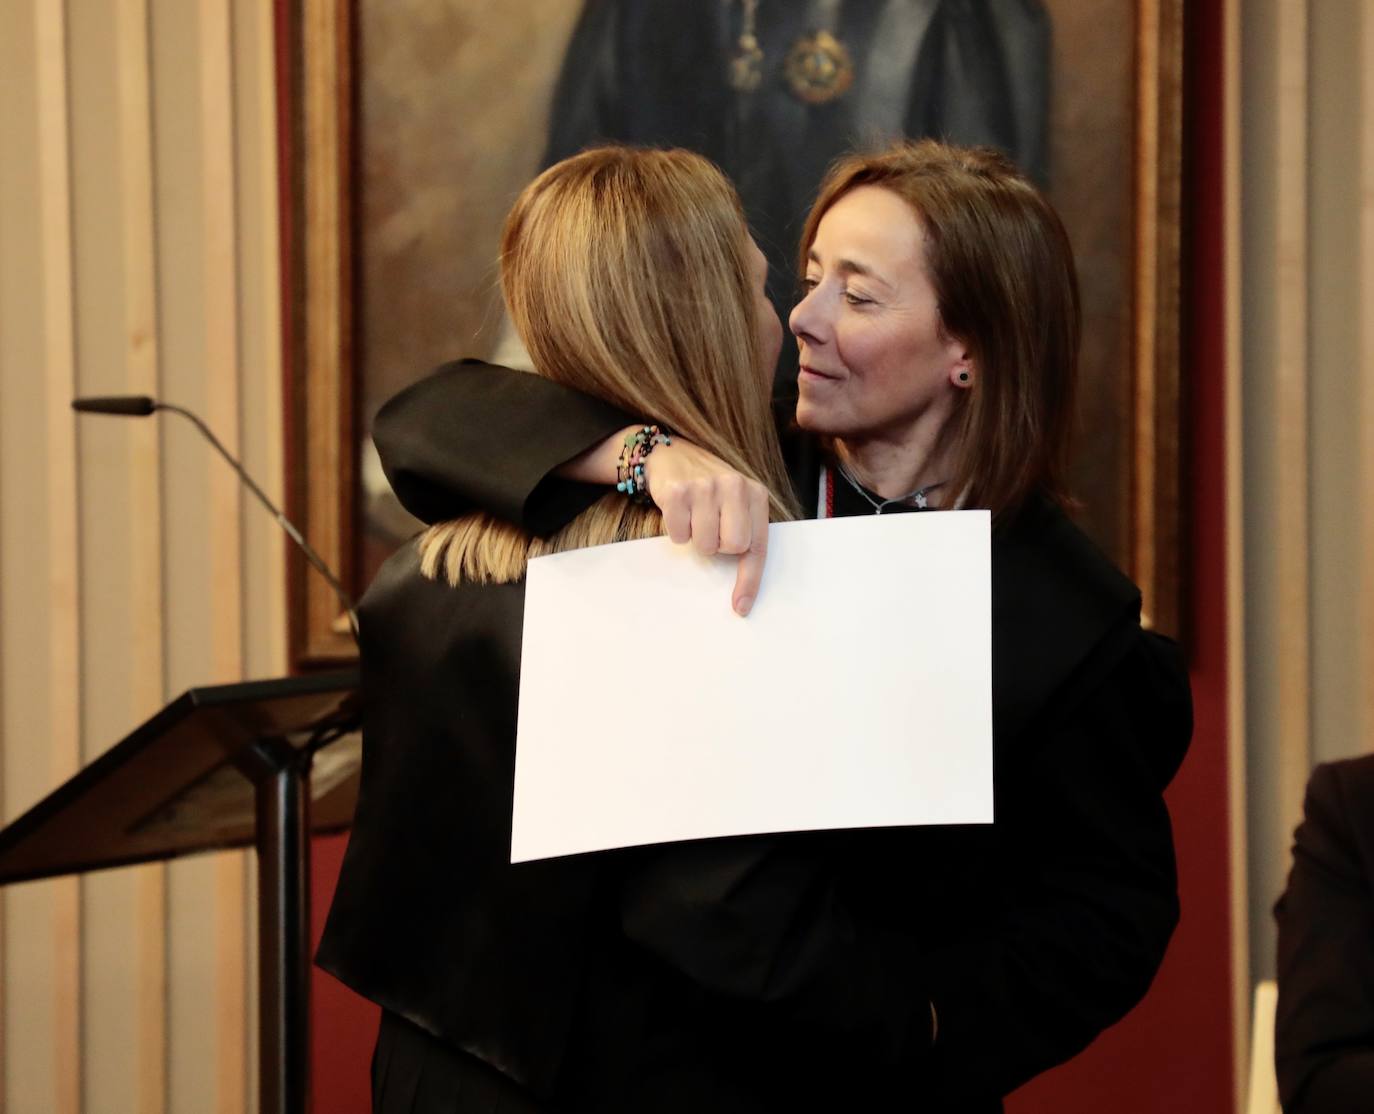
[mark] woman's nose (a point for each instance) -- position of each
(805, 320)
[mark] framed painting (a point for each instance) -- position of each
(408, 127)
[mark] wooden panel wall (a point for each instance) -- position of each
(138, 254)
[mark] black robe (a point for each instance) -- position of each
(792, 972)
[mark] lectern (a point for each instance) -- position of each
(220, 767)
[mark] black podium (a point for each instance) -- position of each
(220, 767)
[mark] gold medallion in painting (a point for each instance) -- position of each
(818, 68)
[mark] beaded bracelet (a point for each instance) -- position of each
(630, 471)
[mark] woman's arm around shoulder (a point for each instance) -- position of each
(479, 437)
(475, 436)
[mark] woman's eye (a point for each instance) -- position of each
(856, 299)
(809, 283)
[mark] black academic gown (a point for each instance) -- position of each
(1324, 1031)
(788, 973)
(681, 978)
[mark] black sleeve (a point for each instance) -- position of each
(1086, 877)
(1324, 1030)
(762, 920)
(473, 436)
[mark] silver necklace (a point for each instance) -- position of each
(917, 498)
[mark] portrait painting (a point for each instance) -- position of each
(411, 131)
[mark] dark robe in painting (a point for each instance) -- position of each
(972, 72)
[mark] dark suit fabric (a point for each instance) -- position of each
(785, 973)
(1324, 1031)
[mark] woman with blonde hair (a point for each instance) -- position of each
(938, 330)
(577, 984)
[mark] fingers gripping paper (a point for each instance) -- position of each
(858, 693)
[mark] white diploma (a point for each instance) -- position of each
(858, 693)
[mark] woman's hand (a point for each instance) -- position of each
(704, 501)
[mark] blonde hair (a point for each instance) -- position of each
(627, 275)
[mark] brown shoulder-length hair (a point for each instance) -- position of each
(627, 275)
(1002, 267)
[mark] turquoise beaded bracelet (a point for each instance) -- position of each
(630, 471)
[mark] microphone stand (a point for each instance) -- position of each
(286, 524)
(142, 405)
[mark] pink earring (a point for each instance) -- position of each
(963, 377)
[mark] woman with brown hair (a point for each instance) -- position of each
(579, 984)
(938, 334)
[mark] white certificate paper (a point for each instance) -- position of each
(858, 693)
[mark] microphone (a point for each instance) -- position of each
(141, 405)
(132, 405)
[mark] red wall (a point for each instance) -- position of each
(343, 1026)
(1173, 1053)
